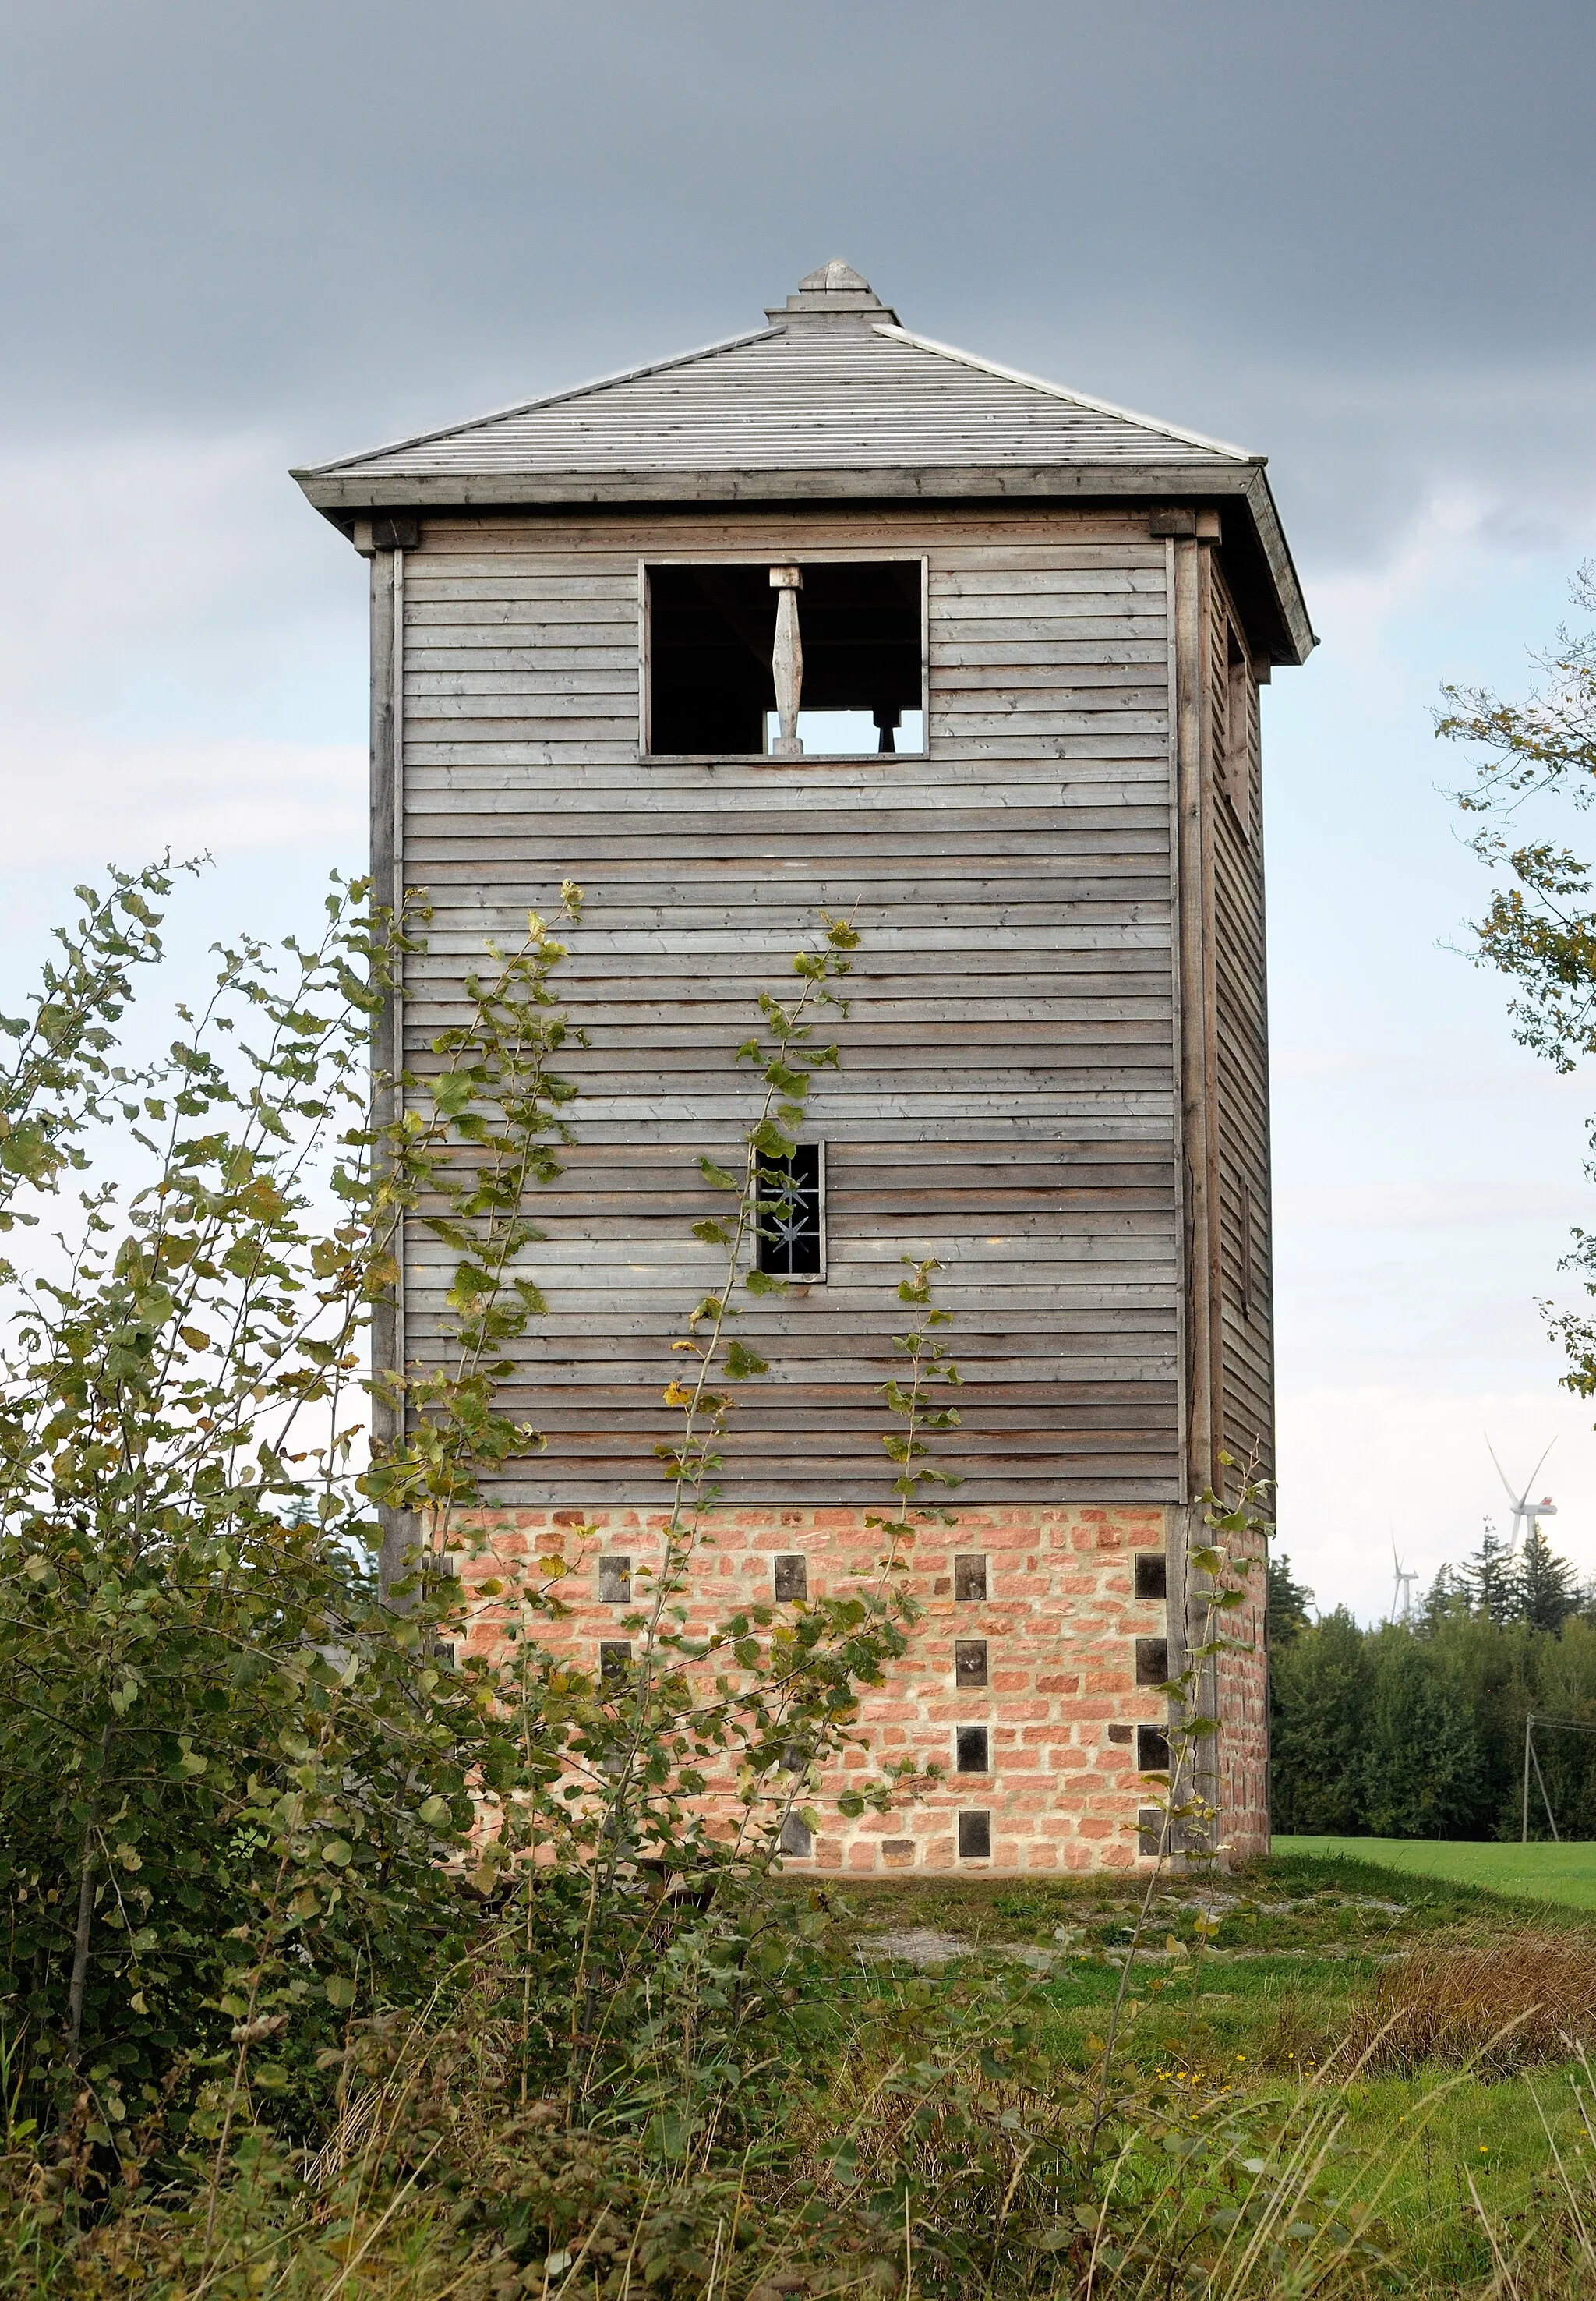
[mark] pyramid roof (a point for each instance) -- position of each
(830, 400)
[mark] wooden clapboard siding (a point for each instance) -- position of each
(1005, 1095)
(1242, 1089)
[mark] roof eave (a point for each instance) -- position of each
(338, 494)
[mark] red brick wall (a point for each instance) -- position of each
(1061, 1706)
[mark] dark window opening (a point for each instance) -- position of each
(1149, 1830)
(969, 1577)
(1152, 1574)
(973, 1744)
(614, 1654)
(1152, 1750)
(797, 1837)
(792, 1576)
(712, 647)
(969, 1661)
(791, 1214)
(974, 1836)
(614, 1581)
(1152, 1661)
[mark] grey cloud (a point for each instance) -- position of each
(1310, 226)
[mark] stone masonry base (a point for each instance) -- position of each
(1038, 1631)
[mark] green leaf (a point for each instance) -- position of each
(340, 1991)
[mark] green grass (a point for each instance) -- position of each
(1303, 1939)
(1532, 1873)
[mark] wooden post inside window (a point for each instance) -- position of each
(787, 661)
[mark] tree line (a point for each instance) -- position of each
(1415, 1729)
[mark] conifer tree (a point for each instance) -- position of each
(1289, 1603)
(1546, 1589)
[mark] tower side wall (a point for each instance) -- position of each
(1005, 1097)
(1062, 1706)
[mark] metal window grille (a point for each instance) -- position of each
(969, 1661)
(790, 1219)
(792, 1575)
(969, 1577)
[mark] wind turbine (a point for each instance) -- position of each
(1525, 1512)
(1401, 1600)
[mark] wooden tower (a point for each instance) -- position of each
(1022, 749)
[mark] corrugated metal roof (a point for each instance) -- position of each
(837, 391)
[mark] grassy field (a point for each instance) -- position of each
(1537, 1873)
(1303, 1942)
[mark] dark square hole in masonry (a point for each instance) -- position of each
(1152, 1661)
(792, 1575)
(969, 1661)
(614, 1581)
(1152, 1750)
(614, 1655)
(974, 1836)
(790, 1215)
(969, 1576)
(973, 1744)
(797, 1837)
(1152, 1574)
(1149, 1830)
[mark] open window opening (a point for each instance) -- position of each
(1152, 1661)
(1152, 1750)
(791, 1237)
(975, 1837)
(779, 660)
(1152, 1574)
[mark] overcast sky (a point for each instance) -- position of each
(1359, 238)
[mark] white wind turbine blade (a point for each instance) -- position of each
(1517, 1500)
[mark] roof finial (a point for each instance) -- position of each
(834, 289)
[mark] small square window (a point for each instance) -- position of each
(974, 1836)
(1149, 1830)
(614, 1581)
(791, 1217)
(615, 1655)
(792, 1575)
(973, 1744)
(797, 1839)
(969, 1577)
(1152, 1750)
(1152, 1661)
(969, 1661)
(1152, 1574)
